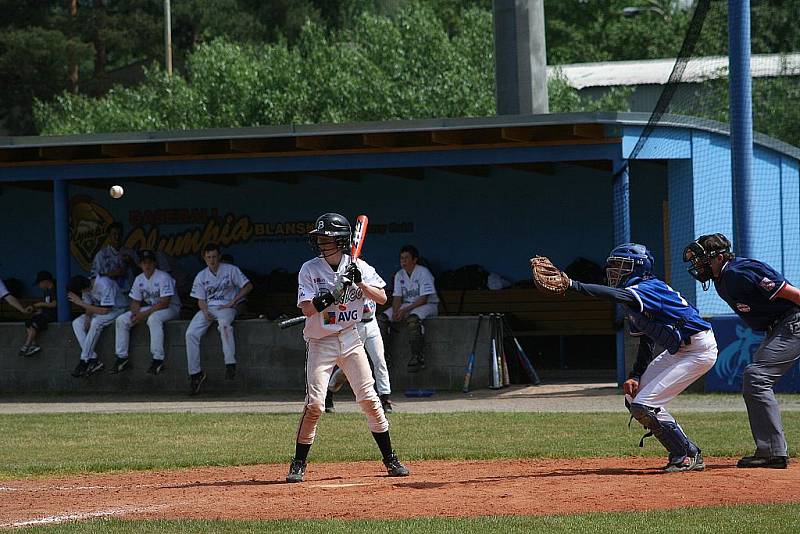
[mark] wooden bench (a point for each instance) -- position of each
(533, 313)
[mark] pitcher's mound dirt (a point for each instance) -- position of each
(362, 490)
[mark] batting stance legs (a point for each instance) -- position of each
(199, 326)
(774, 357)
(666, 377)
(347, 351)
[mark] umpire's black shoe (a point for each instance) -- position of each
(394, 467)
(329, 406)
(297, 470)
(230, 371)
(771, 462)
(195, 381)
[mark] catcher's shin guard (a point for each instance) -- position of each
(668, 433)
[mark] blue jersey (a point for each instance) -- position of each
(663, 314)
(750, 288)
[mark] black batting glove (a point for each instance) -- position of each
(353, 273)
(321, 302)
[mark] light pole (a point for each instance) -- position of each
(168, 37)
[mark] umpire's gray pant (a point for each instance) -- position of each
(776, 355)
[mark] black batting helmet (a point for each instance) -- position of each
(331, 225)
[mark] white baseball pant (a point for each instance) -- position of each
(669, 374)
(155, 322)
(87, 338)
(346, 350)
(370, 335)
(198, 326)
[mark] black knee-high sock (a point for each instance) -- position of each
(384, 443)
(301, 451)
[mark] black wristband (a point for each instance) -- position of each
(322, 301)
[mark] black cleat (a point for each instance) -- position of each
(329, 406)
(388, 407)
(94, 366)
(394, 467)
(230, 371)
(156, 367)
(771, 462)
(122, 364)
(195, 381)
(80, 369)
(297, 471)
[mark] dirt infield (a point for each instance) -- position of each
(361, 490)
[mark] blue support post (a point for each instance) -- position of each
(740, 95)
(61, 227)
(621, 202)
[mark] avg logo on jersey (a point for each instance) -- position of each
(334, 316)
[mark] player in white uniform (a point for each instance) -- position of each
(218, 289)
(414, 298)
(370, 335)
(103, 303)
(331, 295)
(112, 261)
(153, 300)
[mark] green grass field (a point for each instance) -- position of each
(775, 519)
(58, 444)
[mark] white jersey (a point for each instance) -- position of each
(3, 290)
(369, 309)
(105, 292)
(221, 288)
(150, 291)
(317, 277)
(110, 259)
(419, 284)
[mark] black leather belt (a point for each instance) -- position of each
(792, 311)
(368, 320)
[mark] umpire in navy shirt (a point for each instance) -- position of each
(766, 302)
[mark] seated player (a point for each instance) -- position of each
(413, 299)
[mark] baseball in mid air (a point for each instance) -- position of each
(116, 191)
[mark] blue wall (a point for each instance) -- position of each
(497, 221)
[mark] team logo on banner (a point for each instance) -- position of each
(88, 229)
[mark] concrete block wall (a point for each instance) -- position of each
(268, 359)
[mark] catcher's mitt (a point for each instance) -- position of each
(547, 277)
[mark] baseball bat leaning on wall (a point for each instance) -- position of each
(523, 359)
(359, 233)
(496, 382)
(471, 358)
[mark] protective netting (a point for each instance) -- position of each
(680, 171)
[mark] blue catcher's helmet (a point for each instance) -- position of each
(627, 263)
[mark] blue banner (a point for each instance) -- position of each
(737, 343)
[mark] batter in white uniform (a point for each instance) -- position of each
(218, 289)
(153, 300)
(331, 295)
(370, 335)
(414, 298)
